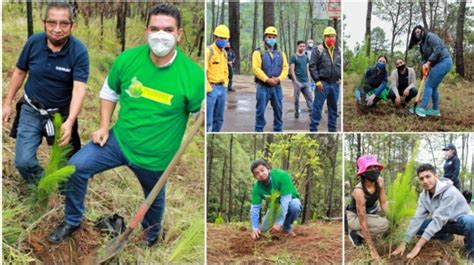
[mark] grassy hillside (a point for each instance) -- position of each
(114, 191)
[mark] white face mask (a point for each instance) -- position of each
(161, 43)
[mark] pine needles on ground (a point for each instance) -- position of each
(57, 171)
(190, 239)
(402, 199)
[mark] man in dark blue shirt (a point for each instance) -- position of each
(452, 165)
(57, 65)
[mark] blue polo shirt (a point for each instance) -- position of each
(51, 74)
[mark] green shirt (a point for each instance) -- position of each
(301, 67)
(280, 181)
(154, 105)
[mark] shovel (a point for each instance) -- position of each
(422, 87)
(116, 245)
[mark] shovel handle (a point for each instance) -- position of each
(164, 177)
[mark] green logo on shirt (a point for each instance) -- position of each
(137, 90)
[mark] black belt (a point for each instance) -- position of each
(218, 84)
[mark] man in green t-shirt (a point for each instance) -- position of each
(290, 205)
(157, 87)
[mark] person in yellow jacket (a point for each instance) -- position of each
(217, 79)
(270, 67)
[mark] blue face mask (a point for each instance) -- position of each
(381, 66)
(271, 42)
(221, 43)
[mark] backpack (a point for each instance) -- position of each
(211, 52)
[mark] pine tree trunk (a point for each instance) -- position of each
(255, 26)
(229, 210)
(459, 49)
(268, 14)
(29, 17)
(409, 31)
(368, 20)
(209, 165)
(306, 215)
(234, 23)
(224, 167)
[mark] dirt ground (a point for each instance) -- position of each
(456, 106)
(433, 252)
(318, 243)
(239, 115)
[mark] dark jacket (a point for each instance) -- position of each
(433, 49)
(451, 170)
(322, 68)
(374, 79)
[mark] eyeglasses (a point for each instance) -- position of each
(62, 24)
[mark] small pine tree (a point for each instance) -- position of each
(274, 209)
(57, 171)
(219, 220)
(402, 198)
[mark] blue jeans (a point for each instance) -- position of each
(331, 93)
(215, 106)
(436, 75)
(464, 227)
(275, 96)
(93, 159)
(28, 139)
(294, 209)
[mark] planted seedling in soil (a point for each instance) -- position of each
(57, 171)
(402, 198)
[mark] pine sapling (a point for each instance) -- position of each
(219, 220)
(274, 210)
(402, 199)
(57, 170)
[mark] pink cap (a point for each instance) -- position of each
(366, 161)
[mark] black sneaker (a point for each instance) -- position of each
(151, 243)
(62, 232)
(356, 240)
(297, 114)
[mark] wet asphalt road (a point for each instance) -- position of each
(240, 109)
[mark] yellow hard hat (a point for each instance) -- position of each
(329, 31)
(222, 31)
(271, 30)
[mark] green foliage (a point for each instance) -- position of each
(402, 199)
(219, 220)
(190, 239)
(57, 171)
(274, 209)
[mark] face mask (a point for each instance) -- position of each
(271, 42)
(330, 41)
(310, 45)
(381, 66)
(227, 48)
(446, 154)
(161, 43)
(418, 36)
(221, 43)
(372, 175)
(401, 67)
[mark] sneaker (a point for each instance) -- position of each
(151, 243)
(62, 232)
(418, 111)
(432, 112)
(356, 240)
